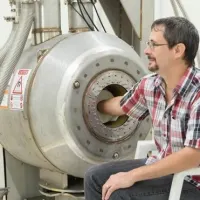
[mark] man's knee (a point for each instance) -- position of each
(92, 174)
(88, 175)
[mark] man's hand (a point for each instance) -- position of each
(115, 182)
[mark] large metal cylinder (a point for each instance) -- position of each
(58, 127)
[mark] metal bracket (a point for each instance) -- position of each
(9, 19)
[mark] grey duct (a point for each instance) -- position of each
(11, 37)
(12, 57)
(8, 43)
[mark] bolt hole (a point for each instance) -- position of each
(101, 150)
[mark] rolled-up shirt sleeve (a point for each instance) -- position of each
(193, 130)
(133, 103)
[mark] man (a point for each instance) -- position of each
(172, 98)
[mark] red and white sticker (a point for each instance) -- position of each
(18, 87)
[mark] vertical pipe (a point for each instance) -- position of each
(47, 21)
(37, 36)
(174, 6)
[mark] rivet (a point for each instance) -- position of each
(115, 155)
(76, 84)
(126, 63)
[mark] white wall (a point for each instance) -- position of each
(164, 9)
(4, 26)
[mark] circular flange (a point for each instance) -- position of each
(93, 139)
(117, 82)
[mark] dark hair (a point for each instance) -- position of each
(180, 30)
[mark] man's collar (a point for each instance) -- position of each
(183, 84)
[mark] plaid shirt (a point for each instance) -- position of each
(175, 125)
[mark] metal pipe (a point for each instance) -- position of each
(182, 9)
(37, 37)
(12, 57)
(47, 21)
(174, 6)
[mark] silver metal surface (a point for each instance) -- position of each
(53, 130)
(55, 179)
(16, 136)
(21, 179)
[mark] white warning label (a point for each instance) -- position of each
(18, 87)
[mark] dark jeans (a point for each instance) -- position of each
(155, 189)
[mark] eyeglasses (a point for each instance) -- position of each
(152, 44)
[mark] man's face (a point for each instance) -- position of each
(157, 51)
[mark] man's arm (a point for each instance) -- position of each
(111, 106)
(184, 159)
(132, 103)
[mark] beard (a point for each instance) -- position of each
(153, 67)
